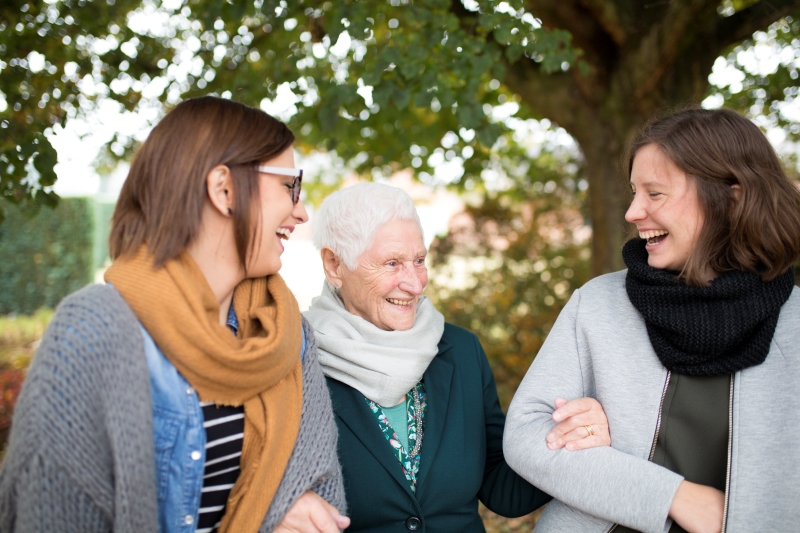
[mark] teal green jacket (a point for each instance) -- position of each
(461, 456)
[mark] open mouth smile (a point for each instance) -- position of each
(653, 237)
(403, 303)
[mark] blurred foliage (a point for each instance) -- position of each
(46, 257)
(10, 386)
(344, 62)
(510, 262)
(763, 77)
(382, 84)
(46, 52)
(19, 338)
(495, 523)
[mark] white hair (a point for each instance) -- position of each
(347, 220)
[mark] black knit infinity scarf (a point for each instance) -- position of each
(705, 331)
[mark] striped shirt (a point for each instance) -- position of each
(224, 427)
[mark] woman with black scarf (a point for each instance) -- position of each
(693, 351)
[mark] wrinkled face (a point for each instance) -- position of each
(279, 216)
(385, 287)
(665, 208)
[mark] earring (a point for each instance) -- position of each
(230, 212)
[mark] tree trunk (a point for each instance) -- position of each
(602, 130)
(643, 58)
(608, 197)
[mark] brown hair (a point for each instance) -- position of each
(161, 202)
(719, 148)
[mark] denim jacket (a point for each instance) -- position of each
(179, 438)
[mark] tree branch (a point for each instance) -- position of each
(600, 51)
(674, 35)
(554, 96)
(587, 33)
(742, 24)
(591, 86)
(684, 26)
(610, 18)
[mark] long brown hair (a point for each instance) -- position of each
(759, 231)
(161, 202)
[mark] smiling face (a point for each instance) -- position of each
(278, 218)
(385, 287)
(665, 208)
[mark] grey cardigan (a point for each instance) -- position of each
(81, 453)
(599, 347)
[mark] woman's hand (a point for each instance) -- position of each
(582, 424)
(311, 514)
(698, 508)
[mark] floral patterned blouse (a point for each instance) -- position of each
(410, 467)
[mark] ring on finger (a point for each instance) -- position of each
(589, 430)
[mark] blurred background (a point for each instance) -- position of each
(505, 121)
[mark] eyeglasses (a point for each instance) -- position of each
(296, 173)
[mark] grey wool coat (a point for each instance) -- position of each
(599, 347)
(81, 455)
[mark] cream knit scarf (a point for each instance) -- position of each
(382, 365)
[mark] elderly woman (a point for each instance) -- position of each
(420, 426)
(693, 351)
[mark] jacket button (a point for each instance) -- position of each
(413, 523)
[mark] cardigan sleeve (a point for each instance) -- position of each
(314, 463)
(47, 498)
(80, 456)
(604, 482)
(503, 491)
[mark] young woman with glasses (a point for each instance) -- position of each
(184, 395)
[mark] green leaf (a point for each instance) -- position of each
(503, 30)
(416, 53)
(234, 10)
(45, 162)
(382, 93)
(423, 98)
(514, 52)
(446, 97)
(411, 70)
(481, 64)
(328, 117)
(268, 7)
(401, 97)
(372, 77)
(335, 30)
(47, 199)
(498, 71)
(488, 134)
(470, 115)
(390, 55)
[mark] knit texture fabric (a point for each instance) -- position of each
(705, 331)
(81, 453)
(258, 368)
(382, 365)
(314, 464)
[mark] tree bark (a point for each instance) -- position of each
(643, 58)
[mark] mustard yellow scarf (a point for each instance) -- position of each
(260, 368)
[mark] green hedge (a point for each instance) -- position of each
(46, 257)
